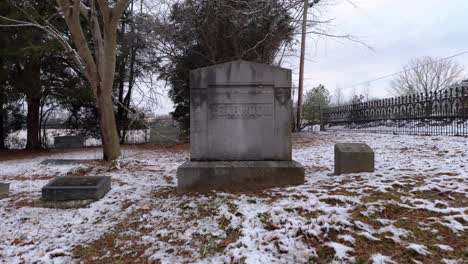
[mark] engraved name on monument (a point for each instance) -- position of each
(240, 111)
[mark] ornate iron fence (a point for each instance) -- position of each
(440, 113)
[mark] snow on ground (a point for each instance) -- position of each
(458, 127)
(412, 209)
(17, 139)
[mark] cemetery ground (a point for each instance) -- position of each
(412, 209)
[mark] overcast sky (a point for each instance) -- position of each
(397, 30)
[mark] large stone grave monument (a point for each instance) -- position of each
(240, 129)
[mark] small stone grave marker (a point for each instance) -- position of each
(4, 189)
(67, 142)
(164, 135)
(353, 158)
(67, 188)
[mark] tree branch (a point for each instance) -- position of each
(117, 11)
(72, 19)
(84, 10)
(348, 37)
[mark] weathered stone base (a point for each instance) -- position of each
(199, 176)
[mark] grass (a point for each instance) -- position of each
(106, 250)
(388, 195)
(418, 222)
(453, 199)
(111, 247)
(386, 205)
(382, 196)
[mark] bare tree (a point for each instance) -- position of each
(366, 92)
(97, 65)
(338, 96)
(96, 61)
(425, 75)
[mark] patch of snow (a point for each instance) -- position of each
(397, 233)
(347, 238)
(368, 236)
(452, 261)
(444, 247)
(420, 249)
(17, 139)
(381, 259)
(341, 251)
(57, 256)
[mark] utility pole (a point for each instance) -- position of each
(301, 64)
(301, 67)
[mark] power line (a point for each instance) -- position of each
(396, 73)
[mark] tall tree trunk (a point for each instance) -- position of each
(109, 135)
(31, 81)
(32, 123)
(2, 116)
(3, 101)
(120, 110)
(121, 84)
(128, 96)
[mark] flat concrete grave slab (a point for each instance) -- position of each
(67, 142)
(63, 161)
(4, 189)
(238, 175)
(353, 158)
(67, 188)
